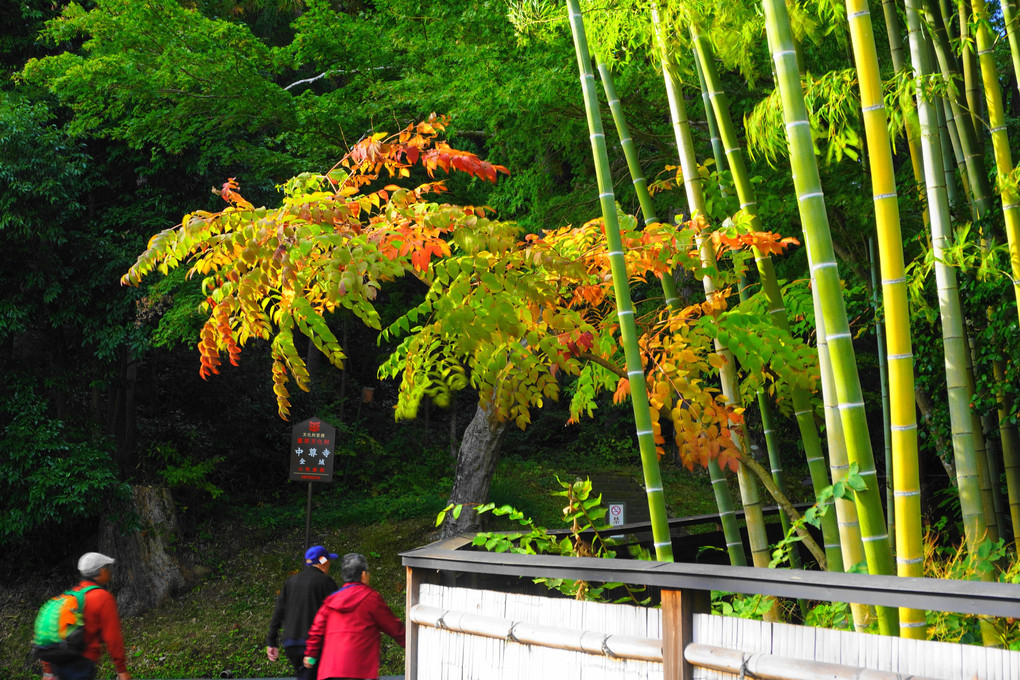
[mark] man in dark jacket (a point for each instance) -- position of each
(343, 641)
(296, 605)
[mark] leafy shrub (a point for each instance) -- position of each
(584, 514)
(50, 474)
(954, 561)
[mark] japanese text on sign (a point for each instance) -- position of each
(312, 451)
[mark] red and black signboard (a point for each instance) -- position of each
(311, 451)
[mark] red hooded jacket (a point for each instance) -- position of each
(345, 634)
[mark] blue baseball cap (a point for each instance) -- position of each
(317, 555)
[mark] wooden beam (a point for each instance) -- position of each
(678, 610)
(411, 637)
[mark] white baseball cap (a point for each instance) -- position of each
(91, 562)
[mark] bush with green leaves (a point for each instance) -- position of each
(50, 473)
(585, 515)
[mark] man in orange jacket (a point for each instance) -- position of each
(102, 624)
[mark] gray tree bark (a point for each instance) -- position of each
(476, 461)
(145, 572)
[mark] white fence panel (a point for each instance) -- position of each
(942, 660)
(449, 655)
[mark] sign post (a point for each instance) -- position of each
(312, 445)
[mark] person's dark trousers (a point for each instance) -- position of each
(80, 669)
(296, 656)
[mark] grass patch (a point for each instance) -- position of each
(220, 624)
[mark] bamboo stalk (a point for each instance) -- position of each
(903, 420)
(727, 515)
(624, 306)
(892, 29)
(991, 498)
(825, 277)
(749, 494)
(1000, 140)
(718, 152)
(883, 377)
(1009, 20)
(839, 465)
(967, 470)
(636, 174)
(1010, 450)
(970, 147)
(971, 74)
(720, 113)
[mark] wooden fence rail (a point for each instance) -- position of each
(685, 591)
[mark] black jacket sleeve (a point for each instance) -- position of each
(273, 638)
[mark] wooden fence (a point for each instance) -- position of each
(477, 615)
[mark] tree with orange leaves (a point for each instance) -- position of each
(504, 313)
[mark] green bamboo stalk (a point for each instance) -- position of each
(883, 377)
(892, 28)
(967, 470)
(947, 154)
(772, 447)
(727, 515)
(970, 147)
(627, 143)
(1010, 449)
(825, 276)
(971, 73)
(718, 153)
(636, 174)
(749, 494)
(804, 412)
(989, 475)
(1009, 20)
(624, 306)
(988, 468)
(720, 489)
(957, 153)
(839, 466)
(966, 464)
(1000, 140)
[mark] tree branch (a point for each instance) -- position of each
(786, 505)
(604, 363)
(332, 72)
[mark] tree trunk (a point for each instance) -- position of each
(146, 573)
(476, 461)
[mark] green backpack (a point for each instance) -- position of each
(60, 627)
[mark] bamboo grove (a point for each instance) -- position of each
(919, 112)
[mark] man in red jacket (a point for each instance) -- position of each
(102, 624)
(344, 638)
